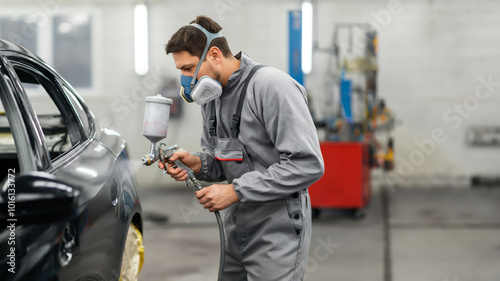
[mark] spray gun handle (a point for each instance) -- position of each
(166, 153)
(191, 177)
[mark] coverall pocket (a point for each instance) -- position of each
(233, 157)
(267, 222)
(295, 215)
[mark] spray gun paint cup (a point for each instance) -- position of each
(156, 119)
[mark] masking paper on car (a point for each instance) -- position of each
(133, 255)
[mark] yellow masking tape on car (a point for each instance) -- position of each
(133, 255)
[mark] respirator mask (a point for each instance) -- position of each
(205, 89)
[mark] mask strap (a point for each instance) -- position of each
(210, 36)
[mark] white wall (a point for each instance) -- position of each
(431, 57)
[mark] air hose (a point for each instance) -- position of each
(192, 181)
(222, 245)
(164, 153)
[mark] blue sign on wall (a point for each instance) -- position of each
(295, 46)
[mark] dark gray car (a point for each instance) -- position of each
(69, 205)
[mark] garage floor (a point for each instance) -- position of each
(408, 234)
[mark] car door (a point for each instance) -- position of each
(58, 134)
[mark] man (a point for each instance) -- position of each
(258, 135)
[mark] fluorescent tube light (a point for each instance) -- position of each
(141, 39)
(307, 36)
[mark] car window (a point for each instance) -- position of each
(79, 109)
(8, 153)
(61, 128)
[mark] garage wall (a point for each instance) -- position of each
(433, 56)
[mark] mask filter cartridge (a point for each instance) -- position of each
(206, 90)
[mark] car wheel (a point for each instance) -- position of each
(133, 255)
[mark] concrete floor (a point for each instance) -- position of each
(408, 235)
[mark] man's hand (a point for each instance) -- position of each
(185, 157)
(217, 197)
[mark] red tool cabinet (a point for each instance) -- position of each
(346, 182)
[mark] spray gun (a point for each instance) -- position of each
(155, 127)
(164, 155)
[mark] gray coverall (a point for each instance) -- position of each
(271, 162)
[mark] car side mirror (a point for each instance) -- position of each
(35, 197)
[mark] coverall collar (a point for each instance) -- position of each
(234, 80)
